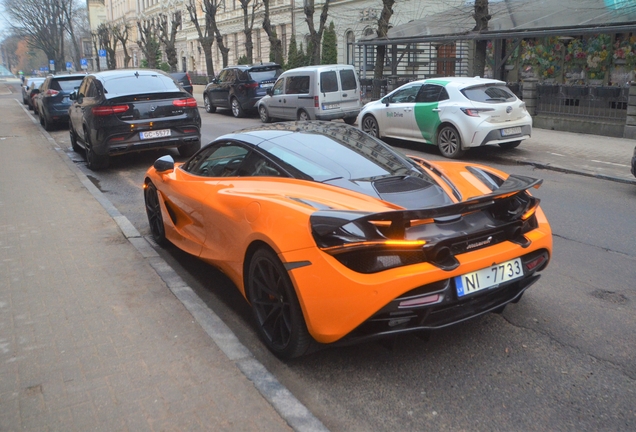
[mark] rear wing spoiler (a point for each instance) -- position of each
(325, 222)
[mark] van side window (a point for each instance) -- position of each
(297, 85)
(278, 87)
(328, 82)
(348, 79)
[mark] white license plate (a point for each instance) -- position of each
(511, 131)
(489, 277)
(154, 134)
(330, 106)
(266, 85)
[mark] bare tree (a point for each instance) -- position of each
(108, 42)
(383, 28)
(148, 42)
(70, 15)
(315, 36)
(482, 17)
(210, 8)
(168, 35)
(248, 26)
(275, 44)
(121, 33)
(206, 35)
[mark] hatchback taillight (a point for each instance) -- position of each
(51, 92)
(109, 110)
(187, 103)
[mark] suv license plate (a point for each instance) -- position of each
(489, 277)
(511, 131)
(154, 134)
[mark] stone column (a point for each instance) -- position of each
(630, 121)
(529, 94)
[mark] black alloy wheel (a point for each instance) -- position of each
(510, 145)
(237, 110)
(153, 211)
(208, 106)
(263, 114)
(279, 319)
(94, 162)
(450, 143)
(370, 126)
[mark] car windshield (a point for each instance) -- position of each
(489, 93)
(265, 74)
(138, 84)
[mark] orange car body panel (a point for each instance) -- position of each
(219, 218)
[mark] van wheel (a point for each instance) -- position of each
(450, 143)
(262, 112)
(237, 110)
(349, 120)
(303, 116)
(370, 126)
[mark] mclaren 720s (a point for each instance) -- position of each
(333, 237)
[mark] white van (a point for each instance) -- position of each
(325, 92)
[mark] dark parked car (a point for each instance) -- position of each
(240, 87)
(183, 78)
(52, 102)
(30, 89)
(123, 111)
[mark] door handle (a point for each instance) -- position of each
(436, 110)
(344, 95)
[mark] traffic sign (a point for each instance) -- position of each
(102, 53)
(69, 65)
(84, 63)
(52, 65)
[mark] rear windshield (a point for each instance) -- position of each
(492, 93)
(265, 74)
(67, 85)
(348, 79)
(137, 84)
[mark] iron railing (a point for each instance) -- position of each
(607, 103)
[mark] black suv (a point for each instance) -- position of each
(52, 102)
(240, 87)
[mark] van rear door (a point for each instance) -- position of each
(350, 91)
(330, 93)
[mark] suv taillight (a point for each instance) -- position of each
(109, 110)
(185, 103)
(51, 92)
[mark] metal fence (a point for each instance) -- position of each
(598, 103)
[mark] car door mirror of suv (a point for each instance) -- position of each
(73, 96)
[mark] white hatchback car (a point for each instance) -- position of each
(454, 113)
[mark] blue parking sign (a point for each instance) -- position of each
(69, 65)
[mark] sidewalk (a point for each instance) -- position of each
(591, 155)
(96, 333)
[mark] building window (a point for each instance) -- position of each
(446, 56)
(351, 40)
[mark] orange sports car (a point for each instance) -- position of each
(334, 237)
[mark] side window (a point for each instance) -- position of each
(92, 89)
(405, 94)
(328, 82)
(83, 89)
(443, 95)
(242, 75)
(223, 75)
(221, 160)
(348, 79)
(55, 85)
(297, 85)
(257, 166)
(429, 93)
(278, 87)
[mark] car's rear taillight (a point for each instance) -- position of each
(474, 112)
(188, 77)
(109, 110)
(252, 85)
(316, 103)
(51, 92)
(185, 103)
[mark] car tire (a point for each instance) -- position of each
(263, 114)
(76, 148)
(48, 125)
(189, 149)
(155, 218)
(510, 145)
(349, 120)
(209, 108)
(94, 162)
(279, 319)
(370, 126)
(237, 110)
(303, 116)
(41, 120)
(450, 143)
